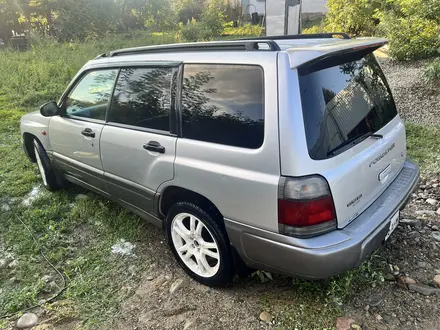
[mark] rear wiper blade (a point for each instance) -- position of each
(355, 140)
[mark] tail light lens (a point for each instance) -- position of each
(305, 207)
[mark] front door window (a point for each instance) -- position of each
(90, 97)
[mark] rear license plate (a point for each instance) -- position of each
(393, 224)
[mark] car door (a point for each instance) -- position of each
(138, 142)
(75, 134)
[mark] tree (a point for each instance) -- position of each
(8, 19)
(356, 17)
(160, 15)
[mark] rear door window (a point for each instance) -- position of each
(223, 104)
(342, 103)
(142, 98)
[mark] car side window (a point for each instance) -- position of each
(223, 104)
(90, 97)
(142, 98)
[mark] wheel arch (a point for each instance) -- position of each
(173, 194)
(28, 145)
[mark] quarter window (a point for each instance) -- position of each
(223, 104)
(142, 98)
(89, 98)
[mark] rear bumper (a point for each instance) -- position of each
(329, 254)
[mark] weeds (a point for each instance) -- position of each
(423, 146)
(76, 236)
(431, 72)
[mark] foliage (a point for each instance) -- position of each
(424, 147)
(413, 28)
(314, 29)
(82, 19)
(431, 72)
(316, 304)
(245, 30)
(160, 15)
(79, 20)
(355, 17)
(76, 236)
(210, 25)
(42, 73)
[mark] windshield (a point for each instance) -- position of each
(342, 102)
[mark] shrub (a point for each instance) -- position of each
(431, 72)
(192, 31)
(209, 27)
(355, 17)
(314, 29)
(413, 28)
(411, 37)
(245, 30)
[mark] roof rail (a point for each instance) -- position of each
(341, 35)
(233, 45)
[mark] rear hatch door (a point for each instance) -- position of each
(354, 137)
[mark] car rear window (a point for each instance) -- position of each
(343, 102)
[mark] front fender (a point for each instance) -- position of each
(34, 123)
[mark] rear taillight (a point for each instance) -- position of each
(305, 206)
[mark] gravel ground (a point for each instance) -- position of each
(417, 101)
(412, 254)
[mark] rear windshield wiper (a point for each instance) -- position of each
(355, 140)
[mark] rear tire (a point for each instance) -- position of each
(199, 244)
(45, 167)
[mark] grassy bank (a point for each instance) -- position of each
(77, 233)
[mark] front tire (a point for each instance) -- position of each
(45, 168)
(199, 244)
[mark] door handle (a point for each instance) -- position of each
(88, 132)
(154, 146)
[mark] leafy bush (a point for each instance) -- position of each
(412, 37)
(245, 30)
(431, 73)
(192, 31)
(356, 17)
(314, 29)
(413, 28)
(210, 25)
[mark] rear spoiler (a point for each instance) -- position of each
(300, 56)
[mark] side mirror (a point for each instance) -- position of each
(49, 109)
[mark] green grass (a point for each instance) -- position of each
(41, 74)
(247, 30)
(423, 144)
(316, 304)
(77, 236)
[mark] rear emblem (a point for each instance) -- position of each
(354, 201)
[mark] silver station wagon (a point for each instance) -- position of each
(284, 153)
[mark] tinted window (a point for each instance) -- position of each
(89, 98)
(223, 104)
(142, 98)
(342, 104)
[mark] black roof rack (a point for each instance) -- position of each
(234, 45)
(341, 35)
